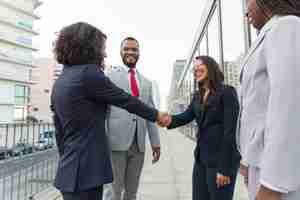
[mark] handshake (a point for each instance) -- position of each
(164, 119)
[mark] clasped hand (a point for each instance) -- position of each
(164, 119)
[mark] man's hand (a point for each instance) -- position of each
(164, 119)
(244, 172)
(222, 180)
(265, 193)
(155, 153)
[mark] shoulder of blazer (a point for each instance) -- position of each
(115, 71)
(228, 89)
(282, 22)
(289, 19)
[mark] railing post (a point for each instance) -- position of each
(12, 186)
(27, 137)
(18, 175)
(6, 136)
(21, 133)
(33, 133)
(14, 132)
(19, 184)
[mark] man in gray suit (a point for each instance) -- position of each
(127, 132)
(269, 130)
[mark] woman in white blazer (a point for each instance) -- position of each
(268, 133)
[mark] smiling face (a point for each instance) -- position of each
(256, 16)
(200, 71)
(130, 53)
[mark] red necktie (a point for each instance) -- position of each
(133, 84)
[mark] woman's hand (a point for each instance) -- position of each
(222, 180)
(164, 119)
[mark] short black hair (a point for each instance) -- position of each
(129, 38)
(281, 7)
(80, 43)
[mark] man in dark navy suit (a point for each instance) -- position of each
(79, 100)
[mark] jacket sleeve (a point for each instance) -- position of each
(102, 90)
(152, 127)
(58, 131)
(280, 164)
(228, 150)
(183, 118)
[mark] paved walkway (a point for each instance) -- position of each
(170, 179)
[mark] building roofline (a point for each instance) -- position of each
(17, 44)
(19, 9)
(19, 27)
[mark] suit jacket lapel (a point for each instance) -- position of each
(257, 42)
(212, 100)
(250, 52)
(142, 85)
(124, 80)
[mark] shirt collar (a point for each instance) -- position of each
(269, 24)
(127, 69)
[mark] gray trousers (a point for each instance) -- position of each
(127, 168)
(253, 186)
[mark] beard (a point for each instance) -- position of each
(130, 64)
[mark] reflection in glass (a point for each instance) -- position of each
(233, 40)
(213, 37)
(203, 45)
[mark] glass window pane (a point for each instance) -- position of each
(203, 45)
(19, 100)
(19, 113)
(213, 37)
(20, 91)
(233, 39)
(233, 30)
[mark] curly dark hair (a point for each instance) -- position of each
(281, 7)
(79, 44)
(215, 75)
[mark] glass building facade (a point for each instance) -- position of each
(224, 34)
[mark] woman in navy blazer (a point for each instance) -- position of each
(215, 108)
(79, 99)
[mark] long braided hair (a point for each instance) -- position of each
(280, 7)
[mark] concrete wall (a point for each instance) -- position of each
(41, 91)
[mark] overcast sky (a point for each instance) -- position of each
(165, 29)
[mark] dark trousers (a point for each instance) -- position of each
(205, 187)
(92, 194)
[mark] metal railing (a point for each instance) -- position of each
(28, 159)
